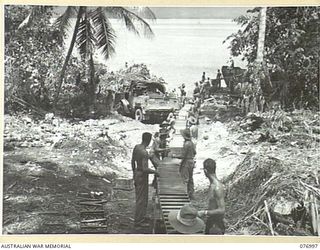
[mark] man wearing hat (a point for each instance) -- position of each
(216, 206)
(187, 163)
(192, 123)
(163, 135)
(185, 220)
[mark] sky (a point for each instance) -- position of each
(198, 12)
(191, 12)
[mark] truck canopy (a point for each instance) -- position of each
(149, 86)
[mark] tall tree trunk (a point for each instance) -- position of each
(92, 81)
(260, 70)
(65, 64)
(262, 34)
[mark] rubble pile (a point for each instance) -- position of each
(275, 189)
(101, 147)
(48, 163)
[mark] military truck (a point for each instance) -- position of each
(146, 101)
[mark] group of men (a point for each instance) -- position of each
(206, 86)
(188, 219)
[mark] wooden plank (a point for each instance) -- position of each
(184, 198)
(94, 220)
(88, 200)
(175, 200)
(172, 189)
(172, 195)
(94, 227)
(171, 184)
(171, 207)
(174, 204)
(90, 204)
(101, 202)
(167, 191)
(92, 212)
(166, 197)
(53, 213)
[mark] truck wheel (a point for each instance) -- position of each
(120, 109)
(138, 115)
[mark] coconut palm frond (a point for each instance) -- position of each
(144, 12)
(126, 15)
(35, 12)
(25, 22)
(64, 22)
(145, 26)
(130, 25)
(104, 34)
(85, 37)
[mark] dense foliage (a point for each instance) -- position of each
(32, 58)
(36, 67)
(291, 51)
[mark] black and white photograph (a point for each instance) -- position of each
(161, 120)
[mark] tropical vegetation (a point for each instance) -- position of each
(36, 69)
(291, 51)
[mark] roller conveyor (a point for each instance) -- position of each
(171, 193)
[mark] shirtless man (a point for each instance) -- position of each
(218, 77)
(216, 207)
(141, 173)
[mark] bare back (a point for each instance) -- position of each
(140, 157)
(139, 161)
(216, 196)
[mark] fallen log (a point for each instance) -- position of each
(90, 204)
(52, 213)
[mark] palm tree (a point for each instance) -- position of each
(93, 30)
(260, 69)
(262, 34)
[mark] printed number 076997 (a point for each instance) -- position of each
(309, 246)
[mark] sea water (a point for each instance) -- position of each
(180, 51)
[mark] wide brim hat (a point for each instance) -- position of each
(196, 227)
(164, 124)
(192, 120)
(185, 133)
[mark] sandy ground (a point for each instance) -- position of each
(216, 142)
(47, 163)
